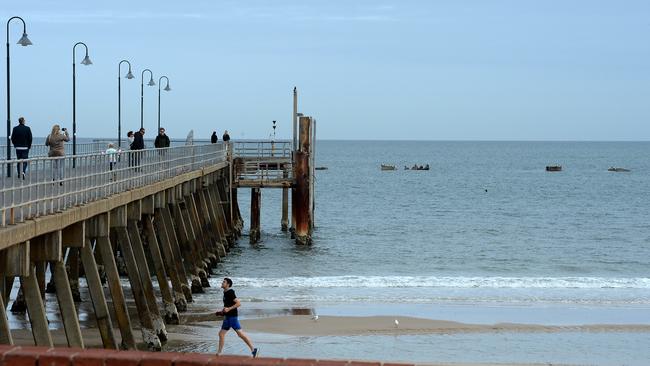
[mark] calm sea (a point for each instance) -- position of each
(485, 236)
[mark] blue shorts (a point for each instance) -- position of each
(230, 322)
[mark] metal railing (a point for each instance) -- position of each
(262, 149)
(52, 185)
(39, 150)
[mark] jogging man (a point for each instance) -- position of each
(229, 311)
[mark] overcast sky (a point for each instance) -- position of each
(407, 69)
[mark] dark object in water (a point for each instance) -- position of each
(387, 167)
(619, 170)
(417, 167)
(320, 168)
(554, 168)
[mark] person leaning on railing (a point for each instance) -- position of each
(56, 142)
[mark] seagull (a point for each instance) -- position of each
(314, 318)
(396, 323)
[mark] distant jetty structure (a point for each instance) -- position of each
(171, 213)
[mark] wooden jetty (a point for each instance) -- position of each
(167, 213)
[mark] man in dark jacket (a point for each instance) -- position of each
(162, 140)
(21, 138)
(214, 138)
(226, 136)
(138, 144)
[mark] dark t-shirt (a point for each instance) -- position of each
(228, 301)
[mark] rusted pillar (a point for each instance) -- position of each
(302, 186)
(284, 223)
(256, 201)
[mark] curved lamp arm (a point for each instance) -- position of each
(129, 75)
(86, 60)
(24, 41)
(167, 88)
(151, 82)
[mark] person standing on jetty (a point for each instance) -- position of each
(21, 138)
(56, 141)
(162, 140)
(230, 320)
(214, 138)
(137, 144)
(226, 136)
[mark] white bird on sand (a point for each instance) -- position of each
(314, 318)
(396, 323)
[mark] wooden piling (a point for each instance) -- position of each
(36, 310)
(170, 261)
(185, 246)
(5, 331)
(97, 296)
(256, 202)
(105, 248)
(145, 280)
(302, 200)
(66, 306)
(149, 334)
(176, 252)
(170, 312)
(284, 222)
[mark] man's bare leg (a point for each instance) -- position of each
(222, 339)
(245, 338)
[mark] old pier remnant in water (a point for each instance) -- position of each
(171, 214)
(284, 165)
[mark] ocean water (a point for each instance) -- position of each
(485, 236)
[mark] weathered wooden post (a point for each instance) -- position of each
(174, 241)
(302, 184)
(103, 224)
(284, 223)
(149, 332)
(14, 261)
(134, 214)
(256, 202)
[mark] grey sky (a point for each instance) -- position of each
(487, 70)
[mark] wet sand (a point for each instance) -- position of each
(331, 325)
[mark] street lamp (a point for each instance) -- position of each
(86, 62)
(24, 41)
(167, 88)
(150, 83)
(129, 75)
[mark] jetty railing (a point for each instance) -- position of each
(54, 184)
(262, 149)
(40, 149)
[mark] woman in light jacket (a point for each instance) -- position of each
(56, 141)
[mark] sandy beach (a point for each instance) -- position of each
(331, 325)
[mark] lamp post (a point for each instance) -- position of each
(167, 88)
(150, 83)
(86, 62)
(24, 41)
(129, 75)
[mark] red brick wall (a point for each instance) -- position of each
(43, 356)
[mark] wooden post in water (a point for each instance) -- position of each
(105, 222)
(302, 184)
(134, 214)
(256, 202)
(284, 223)
(74, 237)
